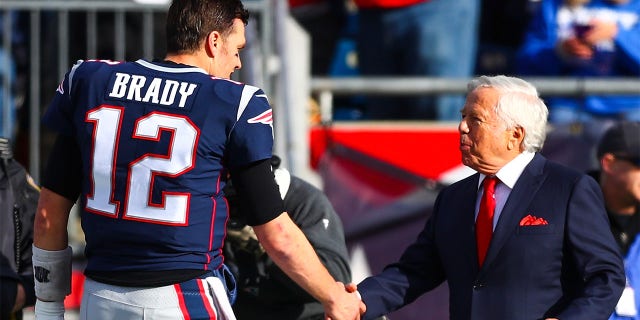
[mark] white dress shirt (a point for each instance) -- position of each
(507, 176)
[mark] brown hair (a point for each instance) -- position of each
(189, 22)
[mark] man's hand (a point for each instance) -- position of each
(600, 31)
(291, 251)
(352, 287)
(582, 46)
(20, 298)
(343, 305)
(573, 48)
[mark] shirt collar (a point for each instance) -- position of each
(510, 173)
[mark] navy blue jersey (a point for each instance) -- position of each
(156, 140)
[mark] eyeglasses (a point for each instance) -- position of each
(633, 160)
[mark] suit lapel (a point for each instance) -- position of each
(522, 194)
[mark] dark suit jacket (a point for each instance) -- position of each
(569, 268)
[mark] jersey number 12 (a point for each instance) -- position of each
(174, 207)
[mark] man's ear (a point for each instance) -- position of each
(606, 162)
(515, 140)
(518, 133)
(213, 43)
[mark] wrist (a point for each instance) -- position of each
(334, 295)
(52, 273)
(49, 310)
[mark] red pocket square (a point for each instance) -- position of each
(530, 220)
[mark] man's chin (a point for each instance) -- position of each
(466, 160)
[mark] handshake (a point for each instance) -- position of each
(345, 303)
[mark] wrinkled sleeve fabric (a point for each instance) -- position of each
(594, 251)
(418, 271)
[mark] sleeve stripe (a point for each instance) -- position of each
(72, 72)
(247, 93)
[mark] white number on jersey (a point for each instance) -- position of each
(174, 207)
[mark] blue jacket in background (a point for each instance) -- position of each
(632, 269)
(537, 55)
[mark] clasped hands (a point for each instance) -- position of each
(346, 304)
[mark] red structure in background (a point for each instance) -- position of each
(426, 150)
(72, 301)
(382, 179)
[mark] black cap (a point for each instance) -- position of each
(623, 141)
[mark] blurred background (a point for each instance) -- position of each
(343, 123)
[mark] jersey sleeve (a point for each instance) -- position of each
(62, 174)
(59, 114)
(251, 138)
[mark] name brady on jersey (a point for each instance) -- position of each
(158, 91)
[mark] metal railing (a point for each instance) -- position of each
(328, 88)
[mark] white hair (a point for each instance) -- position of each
(518, 106)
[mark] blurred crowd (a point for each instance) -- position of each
(409, 38)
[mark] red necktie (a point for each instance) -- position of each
(484, 222)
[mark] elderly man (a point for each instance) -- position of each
(522, 239)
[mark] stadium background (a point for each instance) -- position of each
(382, 177)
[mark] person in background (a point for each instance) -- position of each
(416, 38)
(147, 147)
(14, 64)
(523, 238)
(501, 32)
(264, 290)
(585, 38)
(18, 201)
(619, 176)
(324, 20)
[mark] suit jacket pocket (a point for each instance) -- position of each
(541, 229)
